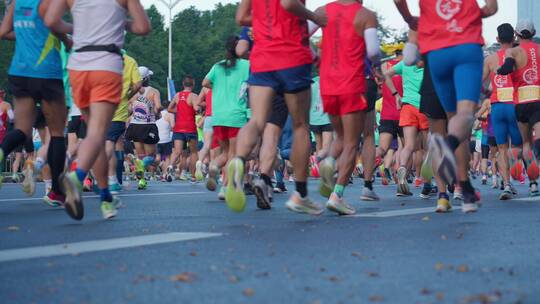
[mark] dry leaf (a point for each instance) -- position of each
(333, 279)
(426, 218)
(356, 254)
(193, 253)
(376, 298)
(373, 274)
(463, 268)
(13, 228)
(186, 277)
(440, 296)
(439, 266)
(248, 292)
(444, 237)
(425, 291)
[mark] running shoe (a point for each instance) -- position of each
(234, 194)
(458, 196)
(471, 202)
(303, 205)
(369, 195)
(533, 189)
(15, 178)
(73, 190)
(108, 210)
(426, 191)
(263, 192)
(338, 205)
(211, 182)
(169, 178)
(142, 184)
(506, 194)
(443, 203)
(183, 176)
(484, 179)
(444, 160)
(221, 194)
(328, 180)
(403, 185)
(87, 185)
(198, 171)
(426, 171)
(117, 203)
(418, 182)
(29, 182)
(513, 189)
(54, 200)
(115, 188)
(384, 177)
(280, 188)
(248, 189)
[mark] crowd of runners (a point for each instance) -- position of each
(434, 112)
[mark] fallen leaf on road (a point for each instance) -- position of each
(356, 254)
(186, 277)
(376, 298)
(193, 253)
(248, 292)
(373, 274)
(233, 279)
(426, 218)
(333, 279)
(439, 266)
(322, 269)
(463, 268)
(425, 291)
(439, 296)
(13, 228)
(444, 237)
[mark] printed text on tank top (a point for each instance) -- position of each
(143, 109)
(502, 85)
(526, 79)
(447, 23)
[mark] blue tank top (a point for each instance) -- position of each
(37, 50)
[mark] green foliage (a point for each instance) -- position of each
(198, 43)
(6, 52)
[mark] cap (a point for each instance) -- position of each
(145, 72)
(525, 27)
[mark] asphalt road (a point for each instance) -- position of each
(176, 243)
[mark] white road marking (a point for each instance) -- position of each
(96, 196)
(401, 212)
(100, 245)
(527, 199)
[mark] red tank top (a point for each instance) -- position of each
(208, 103)
(446, 23)
(389, 109)
(282, 39)
(502, 85)
(185, 115)
(343, 52)
(526, 79)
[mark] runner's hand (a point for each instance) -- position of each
(320, 20)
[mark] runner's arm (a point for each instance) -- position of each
(296, 7)
(193, 100)
(157, 101)
(511, 62)
(390, 84)
(135, 87)
(6, 29)
(140, 24)
(207, 83)
(52, 12)
(243, 13)
(366, 26)
(172, 106)
(403, 9)
(487, 69)
(490, 8)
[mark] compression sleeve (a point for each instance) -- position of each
(372, 45)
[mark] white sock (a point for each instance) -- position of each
(113, 180)
(48, 185)
(38, 164)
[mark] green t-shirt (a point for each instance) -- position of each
(64, 55)
(317, 117)
(412, 82)
(229, 88)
